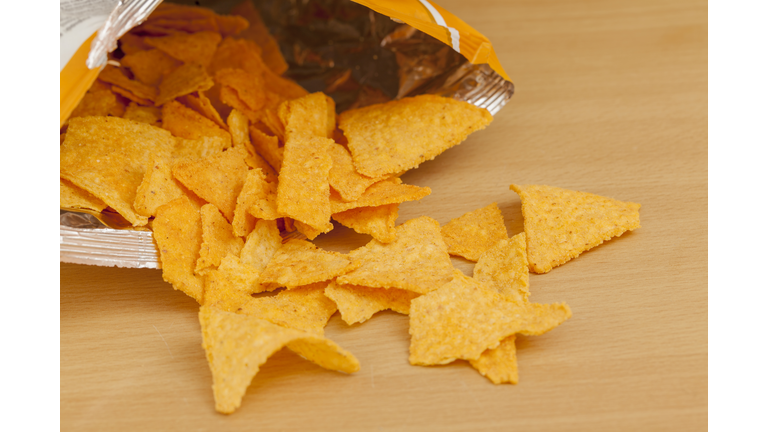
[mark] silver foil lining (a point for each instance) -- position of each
(85, 240)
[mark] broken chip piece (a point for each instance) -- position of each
(218, 240)
(299, 262)
(379, 221)
(358, 303)
(560, 224)
(504, 267)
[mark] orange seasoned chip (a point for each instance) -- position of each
(358, 303)
(72, 197)
(238, 128)
(99, 103)
(200, 148)
(146, 114)
(399, 135)
(107, 157)
(116, 77)
(299, 262)
(475, 232)
(164, 27)
(261, 245)
(151, 66)
(263, 195)
(217, 179)
(417, 260)
(258, 33)
(390, 191)
(218, 240)
(304, 308)
(230, 285)
(307, 115)
(274, 124)
(379, 221)
(189, 48)
(307, 230)
(560, 224)
(186, 123)
(251, 195)
(199, 102)
(237, 345)
(464, 318)
(343, 178)
(504, 267)
(248, 87)
(302, 190)
(230, 25)
(131, 97)
(178, 232)
(237, 54)
(157, 188)
(500, 364)
(186, 79)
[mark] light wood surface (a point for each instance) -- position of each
(611, 99)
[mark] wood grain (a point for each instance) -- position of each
(611, 98)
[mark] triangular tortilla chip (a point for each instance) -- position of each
(145, 114)
(358, 303)
(157, 188)
(417, 260)
(504, 267)
(379, 221)
(560, 224)
(251, 195)
(302, 190)
(71, 196)
(475, 232)
(100, 103)
(399, 135)
(237, 345)
(217, 179)
(189, 48)
(218, 240)
(114, 75)
(151, 66)
(307, 230)
(178, 232)
(187, 123)
(343, 178)
(464, 318)
(261, 245)
(389, 191)
(307, 115)
(299, 262)
(199, 102)
(230, 285)
(107, 157)
(268, 147)
(500, 364)
(202, 147)
(186, 79)
(304, 308)
(263, 195)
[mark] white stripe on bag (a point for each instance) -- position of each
(441, 22)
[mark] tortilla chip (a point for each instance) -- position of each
(144, 114)
(417, 260)
(343, 178)
(231, 25)
(238, 127)
(504, 268)
(107, 157)
(274, 124)
(199, 148)
(98, 103)
(261, 245)
(499, 365)
(237, 54)
(250, 195)
(475, 232)
(358, 303)
(464, 318)
(249, 87)
(131, 97)
(237, 345)
(263, 195)
(302, 190)
(186, 123)
(116, 77)
(178, 232)
(131, 44)
(307, 115)
(157, 188)
(385, 192)
(186, 79)
(267, 147)
(230, 285)
(189, 48)
(165, 27)
(299, 262)
(304, 308)
(217, 179)
(257, 32)
(560, 224)
(399, 135)
(151, 66)
(71, 196)
(218, 240)
(199, 102)
(379, 222)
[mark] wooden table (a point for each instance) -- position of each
(611, 99)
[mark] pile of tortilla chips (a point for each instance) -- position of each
(193, 132)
